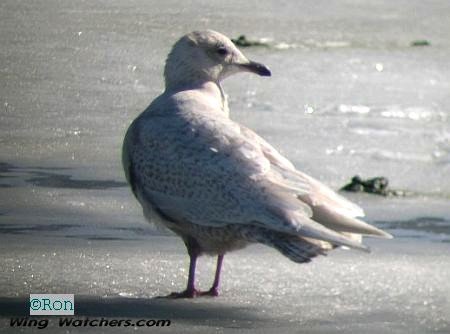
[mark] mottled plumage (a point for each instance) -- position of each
(219, 185)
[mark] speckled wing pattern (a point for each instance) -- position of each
(200, 167)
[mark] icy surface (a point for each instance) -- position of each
(399, 288)
(74, 74)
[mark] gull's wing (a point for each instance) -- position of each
(319, 193)
(200, 168)
(329, 208)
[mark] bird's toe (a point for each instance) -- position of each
(213, 292)
(191, 293)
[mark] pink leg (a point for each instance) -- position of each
(190, 291)
(214, 291)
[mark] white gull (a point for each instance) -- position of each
(216, 183)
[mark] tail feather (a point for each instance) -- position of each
(296, 248)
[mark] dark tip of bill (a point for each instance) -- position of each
(258, 68)
(263, 70)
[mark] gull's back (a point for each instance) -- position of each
(183, 153)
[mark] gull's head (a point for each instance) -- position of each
(206, 56)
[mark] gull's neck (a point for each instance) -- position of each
(210, 88)
(224, 99)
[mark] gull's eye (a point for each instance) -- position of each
(222, 51)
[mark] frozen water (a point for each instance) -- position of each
(74, 74)
(398, 288)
